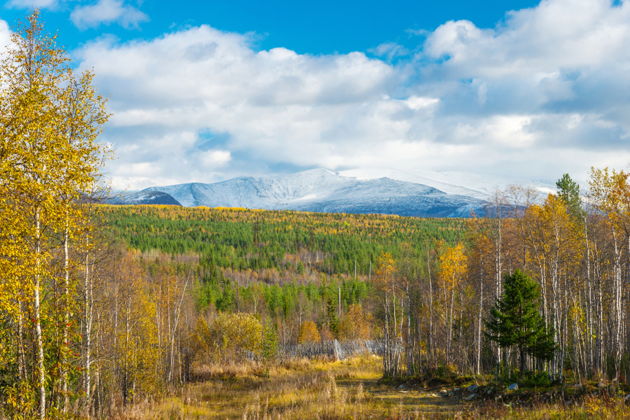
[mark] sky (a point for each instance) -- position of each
(478, 94)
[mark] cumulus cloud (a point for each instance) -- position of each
(32, 4)
(105, 12)
(543, 92)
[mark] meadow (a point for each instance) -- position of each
(349, 389)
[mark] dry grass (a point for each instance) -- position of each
(591, 408)
(319, 389)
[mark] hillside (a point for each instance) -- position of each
(254, 239)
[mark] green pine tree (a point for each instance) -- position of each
(270, 341)
(515, 320)
(569, 191)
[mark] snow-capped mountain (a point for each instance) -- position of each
(318, 190)
(144, 197)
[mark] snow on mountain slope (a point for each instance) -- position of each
(264, 192)
(322, 190)
(450, 183)
(144, 197)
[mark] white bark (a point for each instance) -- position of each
(38, 325)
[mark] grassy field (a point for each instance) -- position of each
(337, 390)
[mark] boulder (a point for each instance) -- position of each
(513, 387)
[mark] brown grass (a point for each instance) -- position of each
(320, 389)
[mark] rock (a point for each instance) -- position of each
(513, 387)
(472, 388)
(443, 393)
(401, 387)
(626, 399)
(470, 397)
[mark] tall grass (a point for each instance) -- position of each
(322, 389)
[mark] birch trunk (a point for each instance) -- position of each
(87, 306)
(479, 318)
(38, 324)
(66, 304)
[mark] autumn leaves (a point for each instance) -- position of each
(49, 121)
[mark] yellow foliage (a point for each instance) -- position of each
(230, 337)
(49, 160)
(309, 333)
(453, 266)
(355, 324)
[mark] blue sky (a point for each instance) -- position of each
(316, 27)
(479, 94)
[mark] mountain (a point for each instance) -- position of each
(317, 190)
(144, 197)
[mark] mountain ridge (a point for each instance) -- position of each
(318, 190)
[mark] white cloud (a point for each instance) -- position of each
(106, 12)
(215, 158)
(542, 93)
(5, 35)
(32, 4)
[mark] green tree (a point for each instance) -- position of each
(569, 191)
(515, 319)
(269, 341)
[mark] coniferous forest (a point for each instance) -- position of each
(104, 309)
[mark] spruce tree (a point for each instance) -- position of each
(515, 319)
(569, 192)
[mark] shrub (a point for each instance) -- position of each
(309, 333)
(230, 337)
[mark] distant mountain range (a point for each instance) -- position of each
(144, 197)
(317, 190)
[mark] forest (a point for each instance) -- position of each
(426, 285)
(104, 309)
